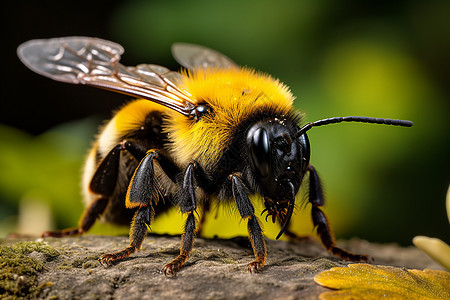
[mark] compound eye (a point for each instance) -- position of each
(306, 151)
(199, 111)
(260, 152)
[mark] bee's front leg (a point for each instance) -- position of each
(247, 211)
(320, 221)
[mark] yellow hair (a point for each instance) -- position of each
(132, 116)
(234, 95)
(129, 118)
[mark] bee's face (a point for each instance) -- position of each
(278, 157)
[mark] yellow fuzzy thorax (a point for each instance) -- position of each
(233, 95)
(127, 119)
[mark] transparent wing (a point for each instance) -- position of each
(193, 56)
(95, 62)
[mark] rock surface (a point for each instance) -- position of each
(217, 269)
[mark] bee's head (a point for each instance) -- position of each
(280, 152)
(279, 158)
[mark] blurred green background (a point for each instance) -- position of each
(384, 184)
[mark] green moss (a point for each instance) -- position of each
(19, 269)
(228, 261)
(85, 262)
(65, 265)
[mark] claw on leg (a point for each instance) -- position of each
(255, 266)
(63, 233)
(175, 265)
(187, 242)
(109, 259)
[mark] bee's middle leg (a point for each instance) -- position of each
(187, 205)
(187, 243)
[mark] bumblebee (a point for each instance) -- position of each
(214, 133)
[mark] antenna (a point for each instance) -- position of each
(370, 120)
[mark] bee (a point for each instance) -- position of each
(213, 133)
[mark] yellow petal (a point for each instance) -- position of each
(364, 281)
(435, 248)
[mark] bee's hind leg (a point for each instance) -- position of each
(88, 219)
(138, 231)
(102, 184)
(142, 194)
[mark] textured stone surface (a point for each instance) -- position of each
(217, 269)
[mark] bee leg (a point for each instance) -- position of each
(187, 204)
(187, 242)
(136, 149)
(105, 177)
(103, 183)
(88, 219)
(143, 187)
(320, 221)
(138, 231)
(142, 191)
(247, 211)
